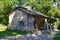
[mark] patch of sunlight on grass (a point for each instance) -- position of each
(18, 35)
(2, 27)
(14, 33)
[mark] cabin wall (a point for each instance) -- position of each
(30, 22)
(21, 21)
(11, 17)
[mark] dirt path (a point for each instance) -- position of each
(39, 37)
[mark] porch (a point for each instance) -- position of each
(44, 23)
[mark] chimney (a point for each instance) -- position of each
(28, 7)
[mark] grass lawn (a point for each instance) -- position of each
(57, 36)
(6, 33)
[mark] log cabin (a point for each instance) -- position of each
(27, 20)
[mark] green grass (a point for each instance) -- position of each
(11, 33)
(2, 27)
(57, 36)
(7, 33)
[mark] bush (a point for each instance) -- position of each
(57, 36)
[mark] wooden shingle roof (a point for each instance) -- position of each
(25, 10)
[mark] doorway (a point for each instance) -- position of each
(39, 23)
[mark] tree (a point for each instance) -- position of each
(46, 7)
(5, 8)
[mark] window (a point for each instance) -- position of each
(22, 23)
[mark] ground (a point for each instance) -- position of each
(18, 35)
(31, 37)
(41, 36)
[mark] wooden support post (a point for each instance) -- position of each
(46, 23)
(51, 27)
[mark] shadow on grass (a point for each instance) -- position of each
(12, 33)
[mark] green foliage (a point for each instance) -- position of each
(45, 6)
(12, 33)
(51, 13)
(57, 14)
(57, 37)
(6, 6)
(57, 22)
(21, 3)
(3, 27)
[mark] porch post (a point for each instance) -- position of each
(46, 24)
